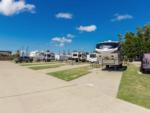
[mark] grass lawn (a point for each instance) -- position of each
(45, 66)
(135, 87)
(71, 74)
(37, 63)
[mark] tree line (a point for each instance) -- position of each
(135, 44)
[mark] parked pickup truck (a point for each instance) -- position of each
(23, 59)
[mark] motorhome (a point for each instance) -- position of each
(109, 53)
(92, 58)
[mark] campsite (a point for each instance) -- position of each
(61, 56)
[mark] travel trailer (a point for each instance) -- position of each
(37, 55)
(92, 57)
(79, 56)
(82, 56)
(109, 54)
(61, 57)
(42, 56)
(48, 56)
(75, 56)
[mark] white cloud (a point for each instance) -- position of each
(64, 15)
(70, 36)
(89, 28)
(118, 17)
(61, 41)
(10, 7)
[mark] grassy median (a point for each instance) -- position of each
(135, 87)
(37, 63)
(45, 66)
(71, 74)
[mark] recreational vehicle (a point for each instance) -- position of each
(61, 57)
(82, 56)
(92, 57)
(109, 54)
(79, 56)
(75, 56)
(42, 56)
(48, 56)
(37, 55)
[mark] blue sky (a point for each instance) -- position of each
(67, 24)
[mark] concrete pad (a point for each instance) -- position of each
(105, 81)
(15, 80)
(27, 91)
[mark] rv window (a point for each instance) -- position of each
(92, 55)
(75, 55)
(48, 55)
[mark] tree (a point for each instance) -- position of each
(135, 44)
(127, 46)
(144, 36)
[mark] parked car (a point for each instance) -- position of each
(145, 63)
(23, 59)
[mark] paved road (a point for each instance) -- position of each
(27, 91)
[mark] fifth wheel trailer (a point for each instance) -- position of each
(109, 54)
(92, 58)
(79, 56)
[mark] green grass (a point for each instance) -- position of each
(135, 87)
(39, 63)
(45, 66)
(71, 74)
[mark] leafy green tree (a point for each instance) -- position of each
(135, 44)
(127, 46)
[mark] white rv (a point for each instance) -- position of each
(75, 56)
(109, 53)
(79, 56)
(92, 58)
(49, 56)
(37, 55)
(42, 56)
(61, 57)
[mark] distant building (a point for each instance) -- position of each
(5, 55)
